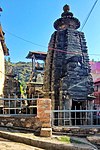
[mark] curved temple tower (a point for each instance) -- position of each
(67, 79)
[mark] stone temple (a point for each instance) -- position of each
(67, 78)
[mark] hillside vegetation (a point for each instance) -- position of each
(20, 70)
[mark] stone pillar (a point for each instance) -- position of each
(44, 114)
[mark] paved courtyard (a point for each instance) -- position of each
(9, 145)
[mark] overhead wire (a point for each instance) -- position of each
(55, 49)
(25, 40)
(89, 15)
(59, 50)
(50, 48)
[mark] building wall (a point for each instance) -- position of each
(97, 93)
(2, 69)
(95, 70)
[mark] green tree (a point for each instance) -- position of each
(9, 60)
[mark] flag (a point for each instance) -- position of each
(0, 9)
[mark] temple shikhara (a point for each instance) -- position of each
(67, 78)
(55, 91)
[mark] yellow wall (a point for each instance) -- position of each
(2, 70)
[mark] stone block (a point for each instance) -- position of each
(44, 112)
(46, 132)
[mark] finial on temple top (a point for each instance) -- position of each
(66, 8)
(67, 20)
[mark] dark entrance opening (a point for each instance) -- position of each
(76, 116)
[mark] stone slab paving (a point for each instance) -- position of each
(45, 143)
(9, 145)
(95, 139)
(83, 140)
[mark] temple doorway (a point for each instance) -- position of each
(76, 116)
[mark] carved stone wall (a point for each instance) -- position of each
(67, 71)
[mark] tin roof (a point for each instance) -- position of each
(97, 80)
(37, 55)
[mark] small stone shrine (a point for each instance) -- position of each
(67, 78)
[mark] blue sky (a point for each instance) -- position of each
(33, 20)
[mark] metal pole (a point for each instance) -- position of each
(81, 119)
(15, 103)
(3, 105)
(9, 104)
(70, 118)
(33, 63)
(64, 115)
(75, 116)
(86, 113)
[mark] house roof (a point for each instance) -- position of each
(5, 49)
(95, 67)
(37, 55)
(97, 81)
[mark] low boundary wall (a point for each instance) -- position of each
(40, 121)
